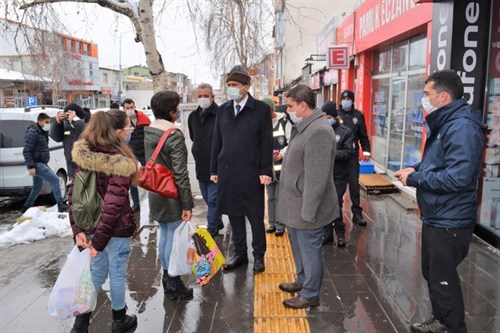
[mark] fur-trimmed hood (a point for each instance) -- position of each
(111, 165)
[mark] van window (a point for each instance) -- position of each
(12, 133)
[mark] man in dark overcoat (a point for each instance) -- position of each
(241, 165)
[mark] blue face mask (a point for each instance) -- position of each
(331, 121)
(127, 140)
(346, 105)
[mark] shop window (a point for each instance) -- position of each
(418, 51)
(412, 150)
(382, 61)
(400, 57)
(379, 119)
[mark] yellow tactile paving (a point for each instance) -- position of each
(270, 316)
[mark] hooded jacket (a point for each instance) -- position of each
(67, 133)
(36, 146)
(173, 155)
(446, 179)
(114, 177)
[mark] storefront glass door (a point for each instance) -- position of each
(397, 123)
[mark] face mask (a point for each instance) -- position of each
(233, 93)
(294, 118)
(331, 121)
(46, 127)
(426, 104)
(127, 140)
(204, 102)
(130, 113)
(346, 105)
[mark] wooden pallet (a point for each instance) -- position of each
(376, 184)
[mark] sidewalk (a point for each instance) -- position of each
(372, 285)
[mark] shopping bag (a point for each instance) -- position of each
(183, 250)
(208, 259)
(74, 292)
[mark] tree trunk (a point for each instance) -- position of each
(153, 57)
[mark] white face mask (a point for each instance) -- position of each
(130, 113)
(46, 127)
(426, 104)
(204, 102)
(233, 93)
(294, 117)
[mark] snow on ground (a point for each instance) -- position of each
(37, 223)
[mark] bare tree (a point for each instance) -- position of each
(233, 31)
(141, 16)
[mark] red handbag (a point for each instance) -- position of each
(156, 178)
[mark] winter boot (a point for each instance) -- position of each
(168, 286)
(180, 289)
(122, 322)
(81, 324)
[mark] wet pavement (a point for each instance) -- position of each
(372, 285)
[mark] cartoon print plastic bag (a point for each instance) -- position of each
(74, 291)
(183, 250)
(208, 258)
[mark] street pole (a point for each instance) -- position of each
(120, 74)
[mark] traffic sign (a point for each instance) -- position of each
(31, 101)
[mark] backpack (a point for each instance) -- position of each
(87, 201)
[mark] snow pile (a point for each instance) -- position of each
(35, 224)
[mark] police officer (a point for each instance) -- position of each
(355, 120)
(341, 173)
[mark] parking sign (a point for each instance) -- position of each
(338, 57)
(31, 101)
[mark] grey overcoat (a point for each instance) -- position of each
(308, 199)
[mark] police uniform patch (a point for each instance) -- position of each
(337, 137)
(355, 120)
(281, 140)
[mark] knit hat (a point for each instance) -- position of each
(347, 93)
(269, 101)
(239, 74)
(330, 109)
(77, 108)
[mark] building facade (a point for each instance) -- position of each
(71, 64)
(393, 46)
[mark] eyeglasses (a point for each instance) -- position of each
(128, 128)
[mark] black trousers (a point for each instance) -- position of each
(338, 224)
(240, 235)
(442, 251)
(353, 181)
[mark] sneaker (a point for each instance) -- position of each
(431, 325)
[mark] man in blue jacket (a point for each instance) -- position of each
(446, 182)
(36, 154)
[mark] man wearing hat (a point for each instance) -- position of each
(341, 173)
(355, 120)
(67, 129)
(242, 165)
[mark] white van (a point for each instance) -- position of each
(14, 177)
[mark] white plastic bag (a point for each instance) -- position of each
(74, 292)
(183, 250)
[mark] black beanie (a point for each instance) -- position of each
(330, 109)
(239, 74)
(77, 108)
(347, 93)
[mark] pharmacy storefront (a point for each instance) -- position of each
(394, 45)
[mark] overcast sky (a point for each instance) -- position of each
(176, 41)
